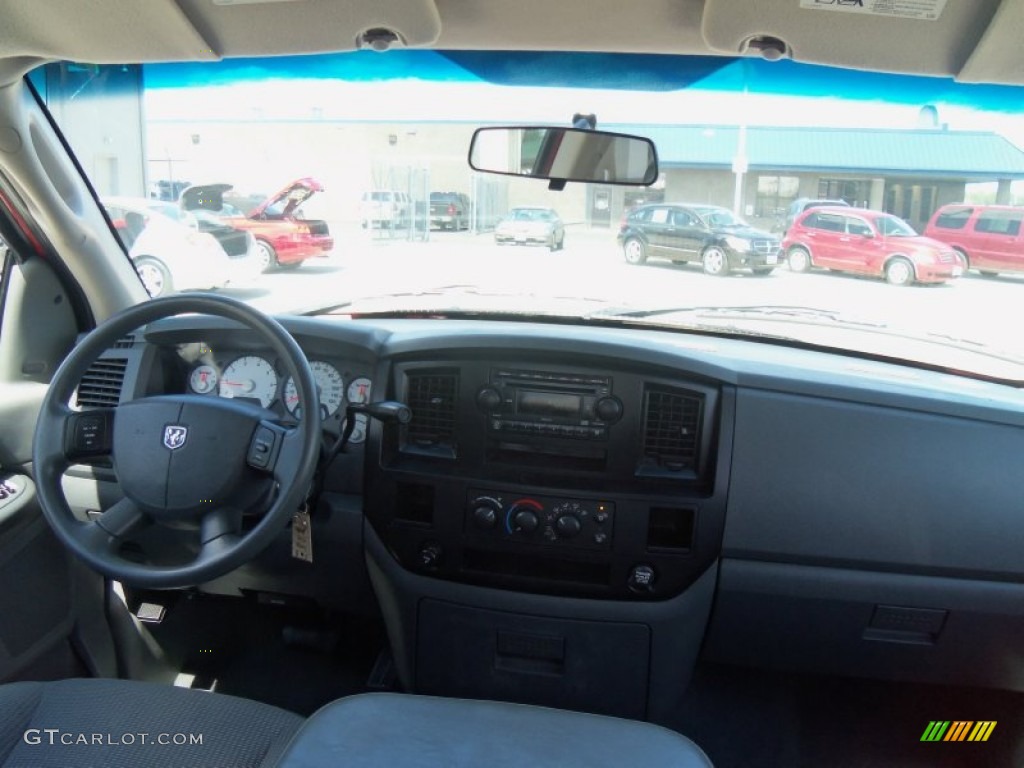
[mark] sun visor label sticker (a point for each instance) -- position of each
(926, 10)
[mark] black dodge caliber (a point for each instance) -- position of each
(714, 236)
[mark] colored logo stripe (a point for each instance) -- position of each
(982, 730)
(935, 730)
(958, 730)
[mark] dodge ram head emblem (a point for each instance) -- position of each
(175, 436)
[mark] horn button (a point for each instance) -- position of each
(177, 458)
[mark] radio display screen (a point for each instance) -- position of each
(552, 404)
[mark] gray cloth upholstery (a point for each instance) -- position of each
(236, 733)
(383, 730)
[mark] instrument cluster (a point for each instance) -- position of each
(256, 378)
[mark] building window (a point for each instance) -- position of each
(774, 194)
(856, 192)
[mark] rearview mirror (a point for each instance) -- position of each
(565, 154)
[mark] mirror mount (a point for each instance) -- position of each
(586, 122)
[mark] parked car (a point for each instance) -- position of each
(449, 210)
(284, 238)
(986, 237)
(165, 189)
(531, 225)
(868, 243)
(801, 204)
(385, 209)
(684, 232)
(170, 254)
(238, 244)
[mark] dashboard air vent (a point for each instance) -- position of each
(125, 342)
(672, 420)
(432, 396)
(100, 387)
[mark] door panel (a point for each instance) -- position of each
(49, 603)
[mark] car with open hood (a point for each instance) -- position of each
(438, 501)
(171, 254)
(284, 238)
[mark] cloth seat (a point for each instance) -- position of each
(125, 724)
(385, 730)
(99, 716)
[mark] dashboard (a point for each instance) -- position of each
(571, 505)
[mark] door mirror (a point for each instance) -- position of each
(565, 154)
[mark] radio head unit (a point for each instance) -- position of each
(579, 406)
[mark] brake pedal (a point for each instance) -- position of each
(151, 613)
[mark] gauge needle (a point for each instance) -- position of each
(246, 386)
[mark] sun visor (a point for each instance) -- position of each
(111, 32)
(268, 27)
(999, 56)
(933, 37)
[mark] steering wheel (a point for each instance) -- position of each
(182, 461)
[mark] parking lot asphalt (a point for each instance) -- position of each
(986, 310)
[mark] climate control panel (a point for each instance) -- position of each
(583, 523)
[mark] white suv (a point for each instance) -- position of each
(386, 208)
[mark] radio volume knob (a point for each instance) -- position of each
(488, 399)
(608, 409)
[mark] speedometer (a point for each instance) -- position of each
(330, 387)
(250, 377)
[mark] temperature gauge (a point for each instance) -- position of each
(359, 390)
(203, 379)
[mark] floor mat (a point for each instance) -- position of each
(291, 657)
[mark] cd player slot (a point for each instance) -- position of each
(541, 386)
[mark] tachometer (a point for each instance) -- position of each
(329, 385)
(250, 377)
(203, 379)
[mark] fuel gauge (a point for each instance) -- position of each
(203, 379)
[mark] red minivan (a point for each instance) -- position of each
(867, 243)
(988, 238)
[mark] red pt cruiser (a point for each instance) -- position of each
(283, 237)
(867, 243)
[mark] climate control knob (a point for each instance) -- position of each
(486, 513)
(568, 526)
(525, 521)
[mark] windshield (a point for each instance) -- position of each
(323, 170)
(890, 226)
(721, 217)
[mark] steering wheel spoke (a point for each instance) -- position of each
(113, 526)
(220, 522)
(88, 434)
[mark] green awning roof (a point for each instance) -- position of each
(967, 155)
